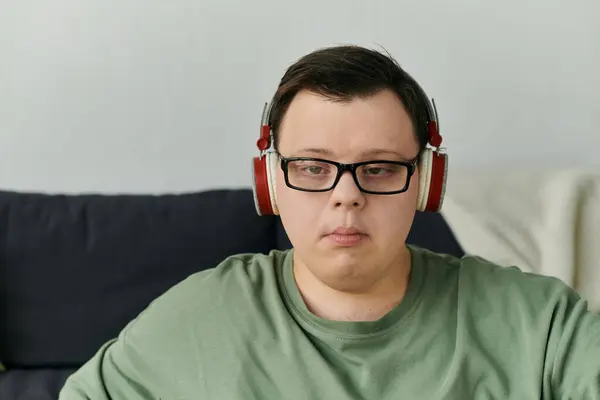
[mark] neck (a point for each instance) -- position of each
(369, 303)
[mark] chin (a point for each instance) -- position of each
(344, 262)
(344, 274)
(341, 268)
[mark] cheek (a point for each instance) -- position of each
(392, 216)
(297, 210)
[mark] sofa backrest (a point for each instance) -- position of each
(74, 269)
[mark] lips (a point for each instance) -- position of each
(346, 236)
(341, 230)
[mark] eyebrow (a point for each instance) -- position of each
(364, 154)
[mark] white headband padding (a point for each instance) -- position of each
(272, 159)
(424, 179)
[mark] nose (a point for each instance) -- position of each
(346, 194)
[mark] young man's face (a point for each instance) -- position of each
(364, 129)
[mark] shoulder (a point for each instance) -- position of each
(480, 283)
(233, 286)
(486, 280)
(225, 282)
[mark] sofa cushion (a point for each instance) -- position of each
(36, 384)
(75, 269)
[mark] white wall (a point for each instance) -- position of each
(157, 95)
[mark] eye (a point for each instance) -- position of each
(377, 171)
(313, 170)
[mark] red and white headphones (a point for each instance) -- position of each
(433, 166)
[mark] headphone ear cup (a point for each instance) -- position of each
(433, 171)
(437, 187)
(260, 186)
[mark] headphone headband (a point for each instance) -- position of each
(433, 124)
(264, 141)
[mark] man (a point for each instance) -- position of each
(352, 312)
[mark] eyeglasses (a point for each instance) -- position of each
(375, 177)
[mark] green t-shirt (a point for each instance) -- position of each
(466, 329)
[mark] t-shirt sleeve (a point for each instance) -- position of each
(111, 373)
(575, 372)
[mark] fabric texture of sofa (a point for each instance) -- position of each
(74, 269)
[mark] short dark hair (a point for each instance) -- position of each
(342, 73)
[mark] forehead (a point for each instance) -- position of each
(347, 130)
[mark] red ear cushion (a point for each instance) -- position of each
(438, 182)
(261, 186)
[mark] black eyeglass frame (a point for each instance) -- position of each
(341, 168)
